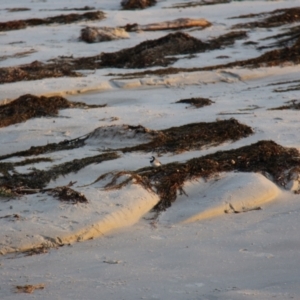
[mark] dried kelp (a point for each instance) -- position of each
(265, 157)
(29, 288)
(66, 194)
(197, 102)
(271, 58)
(36, 70)
(30, 106)
(194, 136)
(137, 4)
(160, 52)
(61, 19)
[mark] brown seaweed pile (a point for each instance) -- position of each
(271, 58)
(265, 157)
(157, 52)
(36, 70)
(175, 139)
(66, 194)
(30, 106)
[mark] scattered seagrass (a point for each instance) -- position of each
(36, 180)
(293, 104)
(274, 18)
(198, 3)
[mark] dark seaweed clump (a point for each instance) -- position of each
(265, 157)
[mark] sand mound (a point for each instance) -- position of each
(38, 221)
(102, 34)
(229, 193)
(117, 136)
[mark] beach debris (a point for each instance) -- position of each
(112, 262)
(66, 194)
(29, 288)
(102, 34)
(177, 24)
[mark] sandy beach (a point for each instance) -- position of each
(91, 91)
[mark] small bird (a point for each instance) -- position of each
(154, 162)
